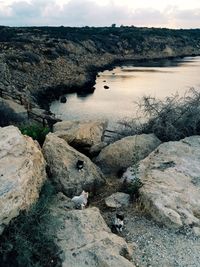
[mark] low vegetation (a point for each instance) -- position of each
(170, 119)
(36, 131)
(132, 186)
(28, 241)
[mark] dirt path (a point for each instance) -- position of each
(156, 246)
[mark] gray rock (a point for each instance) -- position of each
(80, 134)
(120, 154)
(171, 183)
(117, 200)
(196, 231)
(63, 99)
(62, 159)
(86, 240)
(96, 149)
(22, 173)
(19, 112)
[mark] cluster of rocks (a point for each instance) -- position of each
(169, 173)
(86, 240)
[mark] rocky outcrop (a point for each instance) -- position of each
(22, 173)
(86, 240)
(18, 109)
(81, 135)
(171, 183)
(12, 112)
(120, 154)
(117, 200)
(62, 161)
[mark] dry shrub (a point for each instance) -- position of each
(170, 119)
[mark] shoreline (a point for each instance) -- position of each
(54, 93)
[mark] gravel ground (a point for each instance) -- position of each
(155, 246)
(158, 246)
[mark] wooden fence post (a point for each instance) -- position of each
(21, 100)
(43, 122)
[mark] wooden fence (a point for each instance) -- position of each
(44, 119)
(110, 135)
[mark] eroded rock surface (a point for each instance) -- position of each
(81, 134)
(62, 161)
(120, 154)
(171, 183)
(22, 173)
(86, 240)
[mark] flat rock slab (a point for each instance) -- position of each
(62, 161)
(22, 173)
(171, 183)
(117, 200)
(86, 240)
(120, 154)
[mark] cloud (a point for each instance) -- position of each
(187, 18)
(88, 12)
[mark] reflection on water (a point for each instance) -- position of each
(144, 70)
(127, 84)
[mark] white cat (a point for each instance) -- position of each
(81, 201)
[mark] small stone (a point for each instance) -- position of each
(117, 200)
(63, 99)
(196, 231)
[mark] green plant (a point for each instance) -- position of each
(133, 187)
(132, 182)
(36, 131)
(29, 239)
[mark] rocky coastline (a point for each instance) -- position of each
(42, 63)
(168, 204)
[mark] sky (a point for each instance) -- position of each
(148, 13)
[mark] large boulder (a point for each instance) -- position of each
(62, 161)
(119, 155)
(22, 173)
(85, 239)
(171, 183)
(81, 134)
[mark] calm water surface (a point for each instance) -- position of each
(127, 84)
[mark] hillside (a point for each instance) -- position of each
(43, 62)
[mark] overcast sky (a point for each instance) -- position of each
(151, 13)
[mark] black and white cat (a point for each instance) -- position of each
(118, 223)
(80, 165)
